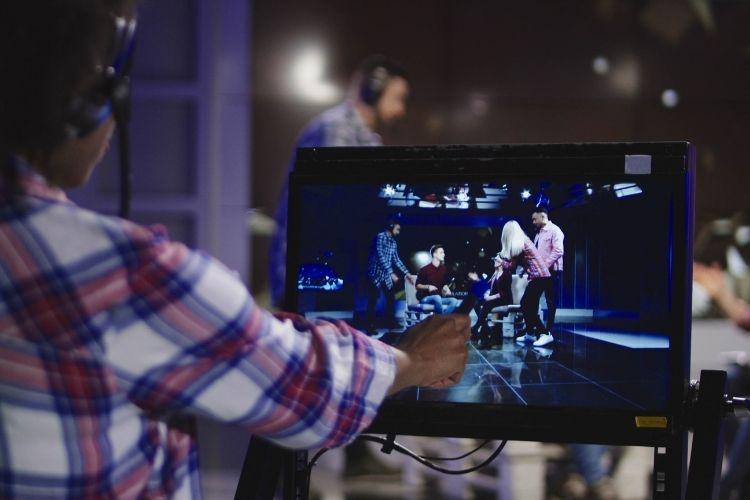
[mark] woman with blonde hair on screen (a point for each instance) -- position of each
(517, 249)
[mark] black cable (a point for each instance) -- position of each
(402, 449)
(125, 177)
(446, 459)
(422, 460)
(315, 459)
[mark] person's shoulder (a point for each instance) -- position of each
(314, 132)
(425, 269)
(68, 223)
(338, 115)
(78, 234)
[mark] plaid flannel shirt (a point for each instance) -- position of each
(108, 328)
(383, 258)
(531, 260)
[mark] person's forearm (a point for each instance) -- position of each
(405, 372)
(735, 308)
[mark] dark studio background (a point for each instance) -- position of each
(512, 72)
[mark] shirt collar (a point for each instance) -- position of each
(547, 227)
(34, 184)
(358, 122)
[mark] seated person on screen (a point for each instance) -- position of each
(498, 294)
(432, 283)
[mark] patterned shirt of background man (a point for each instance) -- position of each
(339, 126)
(383, 258)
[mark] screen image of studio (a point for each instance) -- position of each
(613, 292)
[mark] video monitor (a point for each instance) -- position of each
(583, 334)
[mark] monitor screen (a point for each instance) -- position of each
(575, 269)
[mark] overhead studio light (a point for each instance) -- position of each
(542, 200)
(670, 98)
(525, 194)
(626, 189)
(600, 65)
(307, 77)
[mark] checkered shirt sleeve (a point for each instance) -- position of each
(108, 328)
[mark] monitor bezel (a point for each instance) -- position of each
(671, 160)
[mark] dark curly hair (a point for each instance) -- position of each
(49, 53)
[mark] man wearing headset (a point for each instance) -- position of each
(108, 329)
(377, 98)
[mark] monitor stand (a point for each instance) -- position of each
(706, 406)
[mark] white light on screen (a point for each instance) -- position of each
(421, 259)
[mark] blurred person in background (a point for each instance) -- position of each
(377, 98)
(593, 466)
(735, 480)
(108, 329)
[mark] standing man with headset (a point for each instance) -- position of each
(377, 98)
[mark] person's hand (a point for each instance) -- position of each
(710, 277)
(394, 277)
(446, 290)
(433, 353)
(411, 279)
(432, 288)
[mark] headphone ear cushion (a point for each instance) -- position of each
(373, 84)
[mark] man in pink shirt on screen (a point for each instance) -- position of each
(549, 241)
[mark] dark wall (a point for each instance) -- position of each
(507, 72)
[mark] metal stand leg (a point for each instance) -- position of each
(264, 464)
(670, 466)
(708, 437)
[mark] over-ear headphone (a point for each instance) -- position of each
(111, 94)
(374, 73)
(373, 83)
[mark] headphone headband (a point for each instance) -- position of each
(88, 111)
